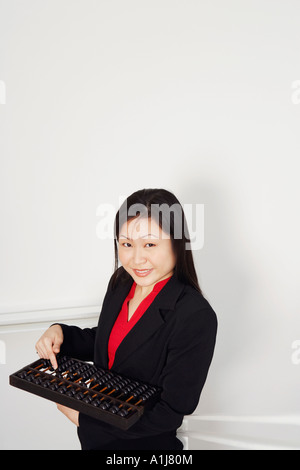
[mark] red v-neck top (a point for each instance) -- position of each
(122, 326)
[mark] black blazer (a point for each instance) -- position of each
(171, 346)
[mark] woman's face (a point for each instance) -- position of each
(145, 251)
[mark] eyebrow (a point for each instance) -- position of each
(145, 236)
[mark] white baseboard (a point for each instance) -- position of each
(241, 432)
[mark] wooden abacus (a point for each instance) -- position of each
(99, 393)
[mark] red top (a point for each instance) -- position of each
(122, 326)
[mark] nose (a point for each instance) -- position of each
(139, 257)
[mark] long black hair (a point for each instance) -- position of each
(164, 207)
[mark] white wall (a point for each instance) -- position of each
(99, 99)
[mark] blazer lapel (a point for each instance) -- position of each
(108, 316)
(150, 322)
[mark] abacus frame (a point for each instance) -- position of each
(43, 370)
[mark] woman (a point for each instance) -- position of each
(155, 325)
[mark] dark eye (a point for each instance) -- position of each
(150, 244)
(126, 243)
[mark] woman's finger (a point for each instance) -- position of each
(41, 351)
(52, 358)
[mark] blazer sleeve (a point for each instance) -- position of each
(190, 354)
(78, 342)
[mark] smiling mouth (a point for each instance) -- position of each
(142, 272)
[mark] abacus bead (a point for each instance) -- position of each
(54, 386)
(104, 405)
(96, 402)
(114, 409)
(87, 399)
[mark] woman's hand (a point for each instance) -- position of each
(49, 344)
(73, 415)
